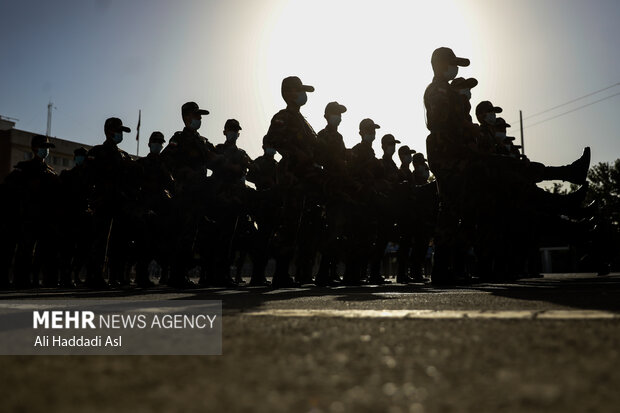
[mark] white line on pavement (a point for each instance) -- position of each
(443, 314)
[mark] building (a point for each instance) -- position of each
(15, 147)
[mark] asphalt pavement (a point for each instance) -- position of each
(549, 344)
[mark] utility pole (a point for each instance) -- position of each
(50, 106)
(138, 133)
(521, 123)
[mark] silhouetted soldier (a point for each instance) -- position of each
(331, 154)
(155, 224)
(34, 184)
(295, 140)
(448, 155)
(188, 156)
(114, 177)
(367, 173)
(265, 207)
(77, 219)
(235, 229)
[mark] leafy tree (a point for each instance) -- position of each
(604, 181)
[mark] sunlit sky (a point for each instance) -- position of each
(103, 58)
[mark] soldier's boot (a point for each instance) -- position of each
(576, 172)
(259, 265)
(563, 204)
(353, 272)
(326, 276)
(142, 274)
(375, 273)
(281, 278)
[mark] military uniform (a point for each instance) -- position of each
(34, 184)
(113, 176)
(293, 137)
(77, 220)
(155, 222)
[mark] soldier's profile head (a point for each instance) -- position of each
(404, 154)
(113, 129)
(388, 144)
(40, 146)
(156, 142)
(231, 130)
(464, 86)
(269, 146)
(333, 113)
(485, 112)
(79, 155)
(445, 63)
(192, 115)
(418, 158)
(294, 91)
(368, 130)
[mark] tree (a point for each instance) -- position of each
(604, 181)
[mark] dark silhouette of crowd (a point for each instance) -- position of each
(323, 214)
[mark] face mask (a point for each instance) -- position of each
(79, 160)
(232, 136)
(389, 150)
(301, 98)
(334, 120)
(466, 92)
(117, 137)
(451, 72)
(270, 151)
(195, 125)
(368, 137)
(43, 152)
(155, 148)
(490, 118)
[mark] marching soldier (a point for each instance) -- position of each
(114, 178)
(33, 184)
(296, 141)
(156, 192)
(77, 219)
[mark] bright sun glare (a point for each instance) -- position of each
(372, 57)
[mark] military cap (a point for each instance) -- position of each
(509, 138)
(418, 157)
(81, 151)
(293, 83)
(190, 108)
(232, 124)
(157, 137)
(115, 125)
(334, 108)
(366, 124)
(500, 123)
(403, 150)
(41, 141)
(389, 139)
(462, 83)
(445, 55)
(485, 106)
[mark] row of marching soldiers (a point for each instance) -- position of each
(320, 204)
(492, 214)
